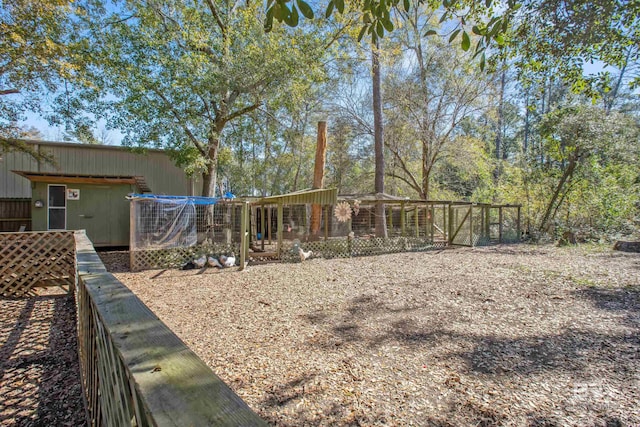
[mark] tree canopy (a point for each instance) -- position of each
(180, 73)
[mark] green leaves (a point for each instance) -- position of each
(305, 9)
(282, 11)
(466, 41)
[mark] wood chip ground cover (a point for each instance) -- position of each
(504, 335)
(39, 370)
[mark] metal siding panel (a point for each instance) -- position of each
(11, 184)
(158, 169)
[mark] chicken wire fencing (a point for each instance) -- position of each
(168, 231)
(348, 229)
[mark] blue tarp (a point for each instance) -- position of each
(196, 200)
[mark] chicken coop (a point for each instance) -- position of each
(332, 226)
(167, 231)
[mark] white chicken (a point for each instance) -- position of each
(304, 255)
(200, 262)
(213, 262)
(228, 261)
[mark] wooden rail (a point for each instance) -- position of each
(135, 370)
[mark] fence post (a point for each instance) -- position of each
(280, 226)
(500, 224)
(244, 234)
(132, 234)
(518, 231)
(450, 225)
(471, 225)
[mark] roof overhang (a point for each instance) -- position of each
(60, 178)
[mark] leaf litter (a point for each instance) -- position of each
(501, 335)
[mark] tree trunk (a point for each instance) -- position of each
(381, 221)
(210, 176)
(568, 173)
(425, 171)
(525, 144)
(499, 137)
(318, 175)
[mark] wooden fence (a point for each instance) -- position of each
(14, 214)
(36, 259)
(135, 370)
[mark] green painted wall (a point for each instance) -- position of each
(102, 210)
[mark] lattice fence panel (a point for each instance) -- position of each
(177, 257)
(347, 247)
(36, 259)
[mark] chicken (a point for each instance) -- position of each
(228, 261)
(213, 262)
(200, 262)
(304, 255)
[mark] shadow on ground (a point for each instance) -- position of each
(39, 373)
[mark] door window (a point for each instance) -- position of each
(57, 207)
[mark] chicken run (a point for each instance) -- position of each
(198, 232)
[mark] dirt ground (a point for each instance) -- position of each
(506, 335)
(39, 371)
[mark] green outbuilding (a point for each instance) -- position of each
(85, 187)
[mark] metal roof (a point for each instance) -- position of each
(310, 196)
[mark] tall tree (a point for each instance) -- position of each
(378, 136)
(434, 89)
(179, 73)
(35, 54)
(574, 136)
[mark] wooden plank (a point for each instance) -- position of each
(280, 226)
(518, 226)
(500, 224)
(174, 386)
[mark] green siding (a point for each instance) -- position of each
(160, 174)
(13, 186)
(102, 210)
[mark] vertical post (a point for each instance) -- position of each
(269, 223)
(445, 229)
(390, 218)
(263, 231)
(318, 175)
(132, 235)
(518, 230)
(416, 220)
(244, 234)
(500, 224)
(471, 226)
(450, 224)
(402, 219)
(487, 223)
(280, 226)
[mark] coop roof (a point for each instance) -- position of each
(61, 178)
(309, 196)
(162, 198)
